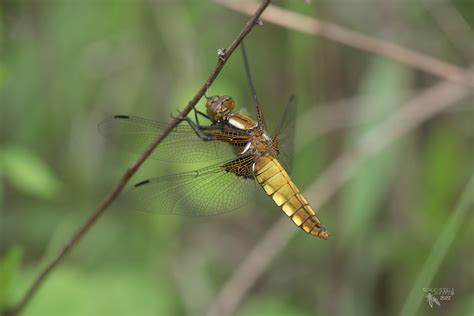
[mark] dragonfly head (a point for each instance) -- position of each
(218, 107)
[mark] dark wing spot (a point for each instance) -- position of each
(241, 167)
(122, 116)
(141, 183)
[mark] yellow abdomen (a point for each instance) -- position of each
(278, 185)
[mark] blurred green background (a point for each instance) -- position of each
(66, 65)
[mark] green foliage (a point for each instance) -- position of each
(122, 292)
(65, 65)
(28, 173)
(440, 249)
(9, 268)
(466, 308)
(441, 172)
(272, 306)
(382, 90)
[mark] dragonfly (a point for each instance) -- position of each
(247, 155)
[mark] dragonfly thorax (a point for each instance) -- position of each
(219, 110)
(262, 145)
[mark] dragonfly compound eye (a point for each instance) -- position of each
(228, 103)
(219, 107)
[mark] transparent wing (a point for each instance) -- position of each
(285, 133)
(182, 145)
(258, 110)
(212, 190)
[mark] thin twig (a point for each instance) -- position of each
(357, 40)
(107, 201)
(416, 111)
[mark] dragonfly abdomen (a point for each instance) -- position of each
(278, 185)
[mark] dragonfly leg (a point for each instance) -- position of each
(196, 112)
(198, 129)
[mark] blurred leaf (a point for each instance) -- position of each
(466, 9)
(442, 168)
(67, 64)
(382, 89)
(312, 154)
(272, 306)
(3, 74)
(115, 291)
(9, 266)
(28, 173)
(465, 307)
(440, 249)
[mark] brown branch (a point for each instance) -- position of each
(357, 40)
(416, 111)
(107, 201)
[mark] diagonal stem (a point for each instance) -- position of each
(111, 197)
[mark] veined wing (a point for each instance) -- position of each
(182, 145)
(211, 190)
(284, 134)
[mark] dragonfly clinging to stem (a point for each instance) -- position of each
(246, 151)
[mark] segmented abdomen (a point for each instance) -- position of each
(278, 185)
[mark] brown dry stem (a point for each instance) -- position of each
(415, 112)
(337, 33)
